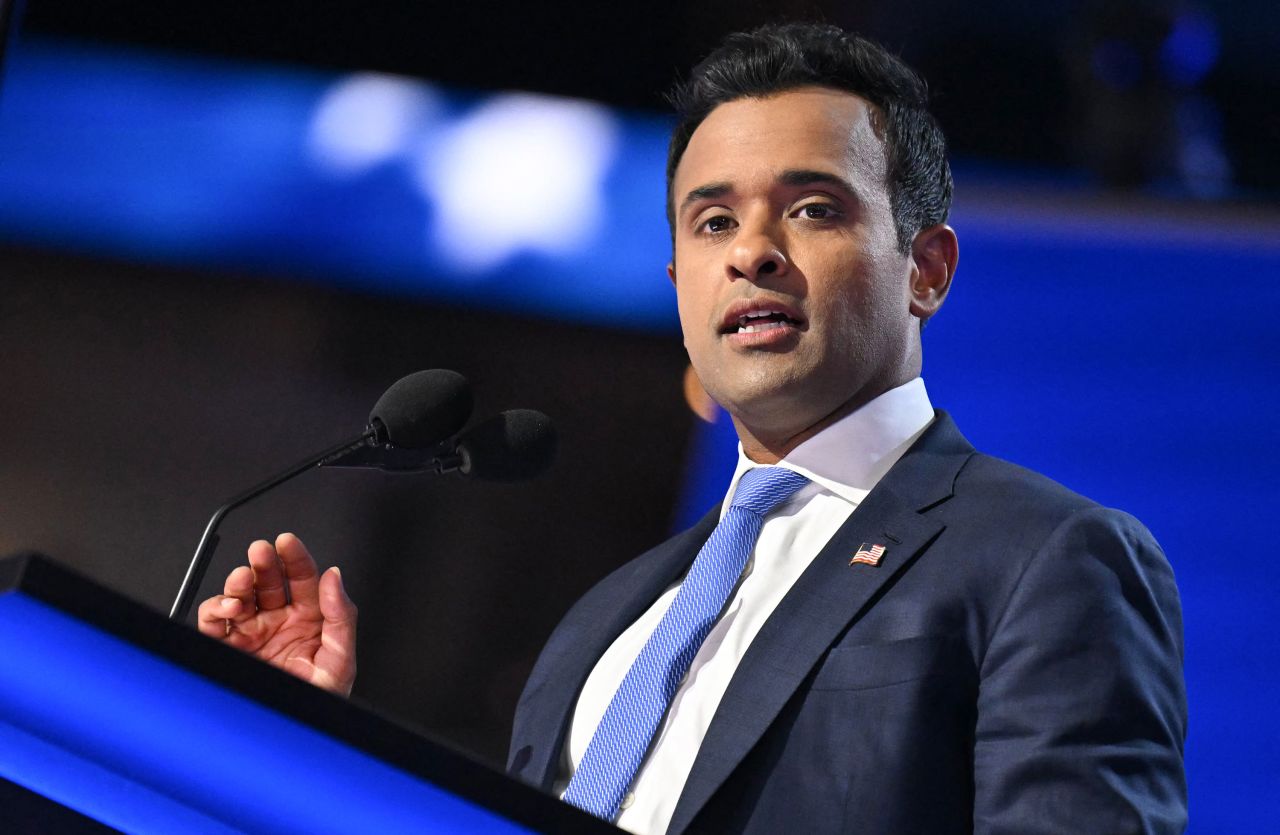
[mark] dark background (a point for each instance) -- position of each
(1013, 81)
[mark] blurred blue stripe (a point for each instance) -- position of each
(194, 161)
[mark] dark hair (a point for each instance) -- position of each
(776, 58)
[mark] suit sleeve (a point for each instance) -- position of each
(1081, 704)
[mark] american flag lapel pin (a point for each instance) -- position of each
(867, 554)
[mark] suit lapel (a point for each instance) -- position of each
(827, 598)
(587, 632)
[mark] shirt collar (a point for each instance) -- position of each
(851, 455)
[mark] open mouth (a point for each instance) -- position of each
(758, 321)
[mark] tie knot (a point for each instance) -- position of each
(761, 489)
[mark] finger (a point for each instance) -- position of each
(211, 617)
(300, 571)
(336, 658)
(237, 607)
(218, 615)
(240, 585)
(268, 575)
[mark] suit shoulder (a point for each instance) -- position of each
(1015, 491)
(1029, 506)
(1035, 512)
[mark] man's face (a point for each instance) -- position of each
(782, 209)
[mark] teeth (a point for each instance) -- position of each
(759, 314)
(765, 326)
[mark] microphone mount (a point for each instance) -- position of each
(389, 458)
(510, 446)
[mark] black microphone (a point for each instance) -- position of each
(422, 408)
(510, 446)
(416, 411)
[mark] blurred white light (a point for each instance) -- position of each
(521, 172)
(366, 119)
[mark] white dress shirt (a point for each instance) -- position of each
(843, 463)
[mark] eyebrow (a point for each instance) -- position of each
(794, 178)
(804, 177)
(708, 192)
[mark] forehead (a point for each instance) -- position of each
(749, 141)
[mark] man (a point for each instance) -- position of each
(882, 630)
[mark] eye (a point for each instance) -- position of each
(818, 211)
(716, 225)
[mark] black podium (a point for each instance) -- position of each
(111, 713)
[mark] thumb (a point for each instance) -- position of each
(337, 653)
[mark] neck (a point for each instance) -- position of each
(765, 445)
(768, 435)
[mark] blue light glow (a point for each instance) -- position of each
(1191, 49)
(368, 181)
(124, 737)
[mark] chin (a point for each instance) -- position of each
(772, 408)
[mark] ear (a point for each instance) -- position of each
(934, 254)
(671, 272)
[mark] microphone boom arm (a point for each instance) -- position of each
(388, 458)
(209, 541)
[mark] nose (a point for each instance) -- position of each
(755, 254)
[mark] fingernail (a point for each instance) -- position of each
(337, 571)
(228, 603)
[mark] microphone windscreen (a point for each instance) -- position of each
(423, 408)
(510, 446)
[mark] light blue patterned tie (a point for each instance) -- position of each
(622, 738)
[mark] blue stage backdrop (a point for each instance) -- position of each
(1131, 357)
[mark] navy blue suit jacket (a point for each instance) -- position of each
(1012, 665)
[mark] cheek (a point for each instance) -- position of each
(695, 300)
(697, 338)
(689, 312)
(855, 317)
(851, 297)
(849, 334)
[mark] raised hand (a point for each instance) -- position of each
(309, 631)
